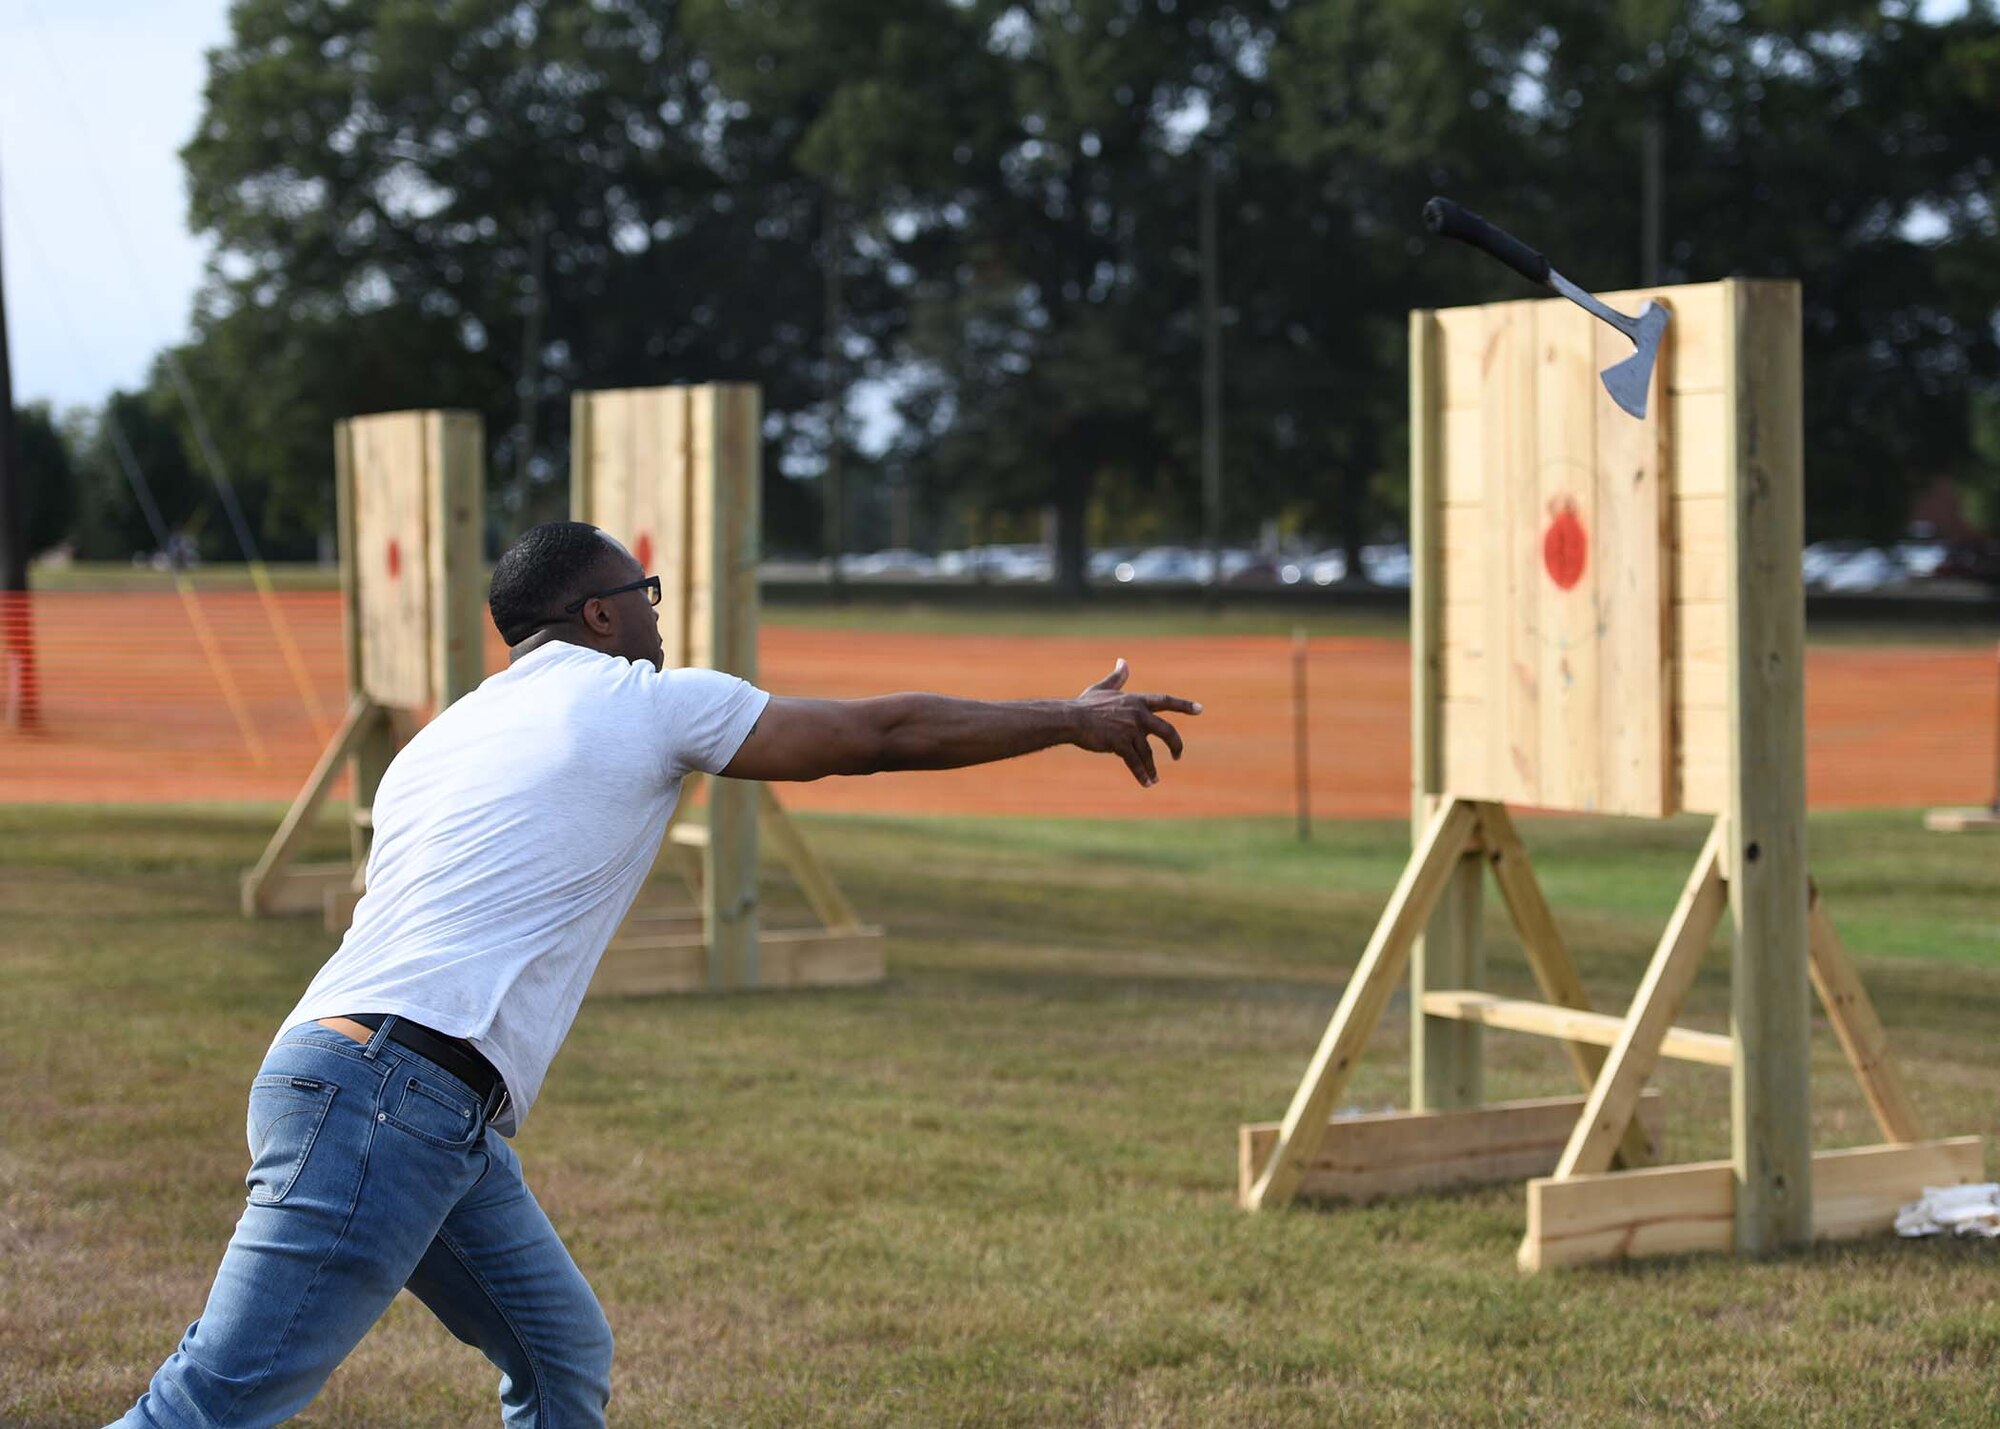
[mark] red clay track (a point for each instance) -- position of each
(135, 711)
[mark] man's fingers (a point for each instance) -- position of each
(1115, 680)
(1146, 761)
(1132, 763)
(1165, 732)
(1171, 702)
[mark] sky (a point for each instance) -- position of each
(96, 99)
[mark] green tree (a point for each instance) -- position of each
(489, 204)
(112, 522)
(47, 479)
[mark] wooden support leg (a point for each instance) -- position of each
(361, 721)
(1368, 992)
(1548, 957)
(1446, 1062)
(1616, 1093)
(729, 901)
(828, 902)
(1856, 1025)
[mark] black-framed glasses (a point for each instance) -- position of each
(650, 585)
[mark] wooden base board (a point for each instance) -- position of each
(1364, 1158)
(1673, 1210)
(301, 888)
(1962, 821)
(643, 966)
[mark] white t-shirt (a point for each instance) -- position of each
(511, 836)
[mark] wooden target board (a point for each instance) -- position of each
(415, 491)
(673, 473)
(1576, 557)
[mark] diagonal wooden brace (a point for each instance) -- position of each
(1856, 1025)
(1368, 991)
(1548, 956)
(1632, 1059)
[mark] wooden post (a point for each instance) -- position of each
(1446, 1057)
(725, 490)
(455, 451)
(1770, 1083)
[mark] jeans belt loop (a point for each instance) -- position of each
(380, 1035)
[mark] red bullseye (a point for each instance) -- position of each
(643, 552)
(1565, 548)
(395, 559)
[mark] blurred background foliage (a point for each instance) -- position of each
(956, 242)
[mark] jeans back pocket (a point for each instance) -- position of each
(431, 1110)
(285, 1118)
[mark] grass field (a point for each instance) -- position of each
(998, 1189)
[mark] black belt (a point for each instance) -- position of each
(454, 1054)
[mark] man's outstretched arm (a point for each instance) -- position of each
(809, 739)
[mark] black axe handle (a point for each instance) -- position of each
(1447, 220)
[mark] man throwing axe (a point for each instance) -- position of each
(511, 836)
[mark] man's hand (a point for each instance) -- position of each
(1112, 721)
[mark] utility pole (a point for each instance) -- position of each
(1650, 182)
(1211, 382)
(833, 495)
(20, 690)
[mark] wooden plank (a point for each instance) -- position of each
(677, 533)
(1461, 463)
(1857, 1192)
(822, 894)
(1698, 441)
(1369, 1157)
(1462, 539)
(723, 614)
(1600, 1029)
(1445, 1059)
(1701, 549)
(1672, 1210)
(582, 489)
(1361, 1005)
(1634, 592)
(1961, 821)
(362, 717)
(1701, 759)
(344, 498)
(643, 966)
(301, 889)
(1654, 1008)
(1569, 653)
(1462, 343)
(1465, 747)
(1511, 557)
(1771, 1080)
(1701, 642)
(391, 543)
(701, 508)
(455, 497)
(1856, 1026)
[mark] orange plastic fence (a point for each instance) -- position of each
(156, 696)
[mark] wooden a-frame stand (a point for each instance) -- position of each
(1608, 619)
(1575, 1212)
(674, 473)
(409, 491)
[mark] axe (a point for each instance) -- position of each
(1626, 381)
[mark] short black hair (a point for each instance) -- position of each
(541, 573)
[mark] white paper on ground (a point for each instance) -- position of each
(1961, 1210)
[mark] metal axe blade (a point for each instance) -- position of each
(1629, 381)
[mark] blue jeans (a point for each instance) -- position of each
(373, 1169)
